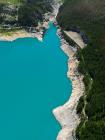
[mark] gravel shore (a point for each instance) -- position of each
(66, 114)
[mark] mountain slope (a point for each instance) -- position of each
(88, 17)
(23, 12)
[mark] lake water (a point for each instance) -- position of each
(33, 82)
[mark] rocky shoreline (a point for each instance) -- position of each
(38, 31)
(23, 33)
(66, 114)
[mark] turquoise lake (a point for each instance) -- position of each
(33, 82)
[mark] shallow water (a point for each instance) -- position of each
(32, 83)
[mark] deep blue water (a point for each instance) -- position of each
(32, 82)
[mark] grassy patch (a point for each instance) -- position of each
(11, 1)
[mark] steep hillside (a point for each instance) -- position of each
(23, 12)
(88, 18)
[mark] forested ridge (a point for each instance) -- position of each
(88, 18)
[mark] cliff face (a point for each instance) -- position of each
(87, 17)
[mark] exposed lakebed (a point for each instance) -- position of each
(33, 82)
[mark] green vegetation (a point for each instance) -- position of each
(32, 12)
(9, 32)
(10, 1)
(88, 18)
(15, 13)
